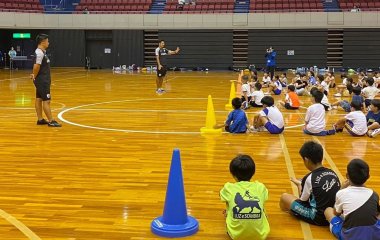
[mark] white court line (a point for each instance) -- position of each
(306, 231)
(27, 77)
(60, 116)
(19, 225)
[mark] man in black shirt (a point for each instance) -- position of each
(42, 80)
(161, 54)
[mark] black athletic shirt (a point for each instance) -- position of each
(319, 188)
(162, 53)
(44, 62)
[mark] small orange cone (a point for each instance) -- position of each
(210, 119)
(228, 106)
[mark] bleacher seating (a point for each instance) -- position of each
(114, 6)
(286, 6)
(33, 6)
(201, 6)
(364, 5)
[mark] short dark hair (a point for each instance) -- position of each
(313, 89)
(159, 41)
(236, 103)
(284, 73)
(357, 90)
(376, 103)
(370, 81)
(292, 88)
(255, 78)
(318, 96)
(41, 37)
(267, 100)
(320, 77)
(242, 167)
(312, 73)
(358, 171)
(356, 105)
(276, 77)
(312, 151)
(258, 86)
(245, 78)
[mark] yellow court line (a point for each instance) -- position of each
(330, 161)
(19, 225)
(307, 235)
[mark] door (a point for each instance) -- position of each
(100, 53)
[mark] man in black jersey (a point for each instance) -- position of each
(161, 54)
(42, 80)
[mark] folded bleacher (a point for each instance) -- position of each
(286, 6)
(201, 6)
(32, 6)
(114, 6)
(363, 5)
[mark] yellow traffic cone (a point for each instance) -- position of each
(210, 119)
(228, 106)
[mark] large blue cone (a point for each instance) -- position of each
(175, 222)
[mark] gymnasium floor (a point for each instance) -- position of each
(103, 174)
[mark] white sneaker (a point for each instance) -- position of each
(337, 95)
(334, 107)
(375, 132)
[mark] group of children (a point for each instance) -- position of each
(364, 89)
(351, 209)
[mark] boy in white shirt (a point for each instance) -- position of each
(315, 117)
(270, 117)
(266, 80)
(325, 101)
(256, 96)
(370, 92)
(355, 122)
(275, 87)
(245, 92)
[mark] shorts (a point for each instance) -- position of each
(287, 106)
(253, 104)
(349, 125)
(300, 91)
(305, 212)
(277, 92)
(162, 72)
(368, 102)
(345, 105)
(327, 108)
(42, 90)
(336, 225)
(273, 129)
(227, 128)
(361, 232)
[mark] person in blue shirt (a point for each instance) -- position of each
(237, 121)
(271, 61)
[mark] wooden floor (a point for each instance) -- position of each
(103, 174)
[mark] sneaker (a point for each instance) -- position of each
(334, 107)
(375, 132)
(54, 124)
(337, 95)
(163, 90)
(42, 122)
(253, 129)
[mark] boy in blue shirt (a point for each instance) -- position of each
(237, 121)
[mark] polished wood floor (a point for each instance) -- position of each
(103, 174)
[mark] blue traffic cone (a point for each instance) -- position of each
(175, 222)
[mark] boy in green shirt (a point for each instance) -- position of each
(245, 200)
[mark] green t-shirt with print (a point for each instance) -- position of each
(246, 217)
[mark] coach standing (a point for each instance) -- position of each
(42, 80)
(270, 56)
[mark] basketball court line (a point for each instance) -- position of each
(27, 77)
(330, 161)
(19, 225)
(307, 235)
(60, 116)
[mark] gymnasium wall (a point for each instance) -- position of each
(309, 47)
(199, 48)
(361, 47)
